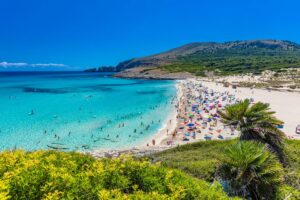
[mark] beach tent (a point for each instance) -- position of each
(221, 137)
(207, 137)
(190, 124)
(280, 126)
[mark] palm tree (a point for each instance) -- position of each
(257, 123)
(249, 170)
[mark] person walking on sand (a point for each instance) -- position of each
(153, 142)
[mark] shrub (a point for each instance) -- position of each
(60, 175)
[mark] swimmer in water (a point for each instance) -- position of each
(31, 113)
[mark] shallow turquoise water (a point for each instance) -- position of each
(80, 111)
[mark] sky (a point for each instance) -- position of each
(77, 34)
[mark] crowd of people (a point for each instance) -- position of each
(197, 116)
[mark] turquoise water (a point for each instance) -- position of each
(80, 111)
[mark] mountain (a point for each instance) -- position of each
(212, 49)
(205, 58)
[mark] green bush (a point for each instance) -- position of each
(59, 175)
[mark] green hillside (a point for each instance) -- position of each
(223, 58)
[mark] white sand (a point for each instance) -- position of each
(286, 104)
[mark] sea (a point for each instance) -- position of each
(78, 111)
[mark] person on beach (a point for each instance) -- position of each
(153, 142)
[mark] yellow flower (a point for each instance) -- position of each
(56, 195)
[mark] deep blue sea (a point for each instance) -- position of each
(80, 111)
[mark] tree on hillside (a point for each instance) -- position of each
(249, 170)
(256, 122)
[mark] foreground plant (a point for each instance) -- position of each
(256, 122)
(249, 170)
(59, 175)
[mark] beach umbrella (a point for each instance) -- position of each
(190, 124)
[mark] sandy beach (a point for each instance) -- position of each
(284, 103)
(191, 129)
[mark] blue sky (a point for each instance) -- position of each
(89, 33)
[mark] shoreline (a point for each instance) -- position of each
(146, 147)
(168, 126)
(187, 91)
(177, 129)
(173, 132)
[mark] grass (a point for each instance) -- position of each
(197, 159)
(292, 172)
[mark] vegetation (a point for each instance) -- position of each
(255, 122)
(199, 159)
(58, 175)
(202, 159)
(292, 171)
(236, 61)
(250, 170)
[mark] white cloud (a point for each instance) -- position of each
(6, 64)
(22, 64)
(48, 65)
